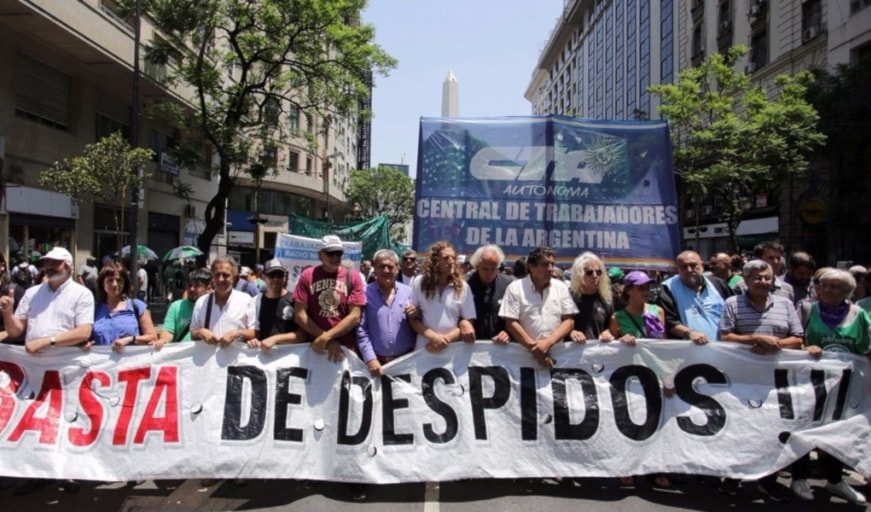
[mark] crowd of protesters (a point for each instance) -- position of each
(398, 303)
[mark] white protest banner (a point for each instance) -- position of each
(298, 252)
(472, 411)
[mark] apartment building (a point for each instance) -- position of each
(602, 55)
(66, 74)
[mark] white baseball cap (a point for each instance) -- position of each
(58, 254)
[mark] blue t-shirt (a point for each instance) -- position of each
(109, 326)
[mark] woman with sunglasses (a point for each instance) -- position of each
(591, 291)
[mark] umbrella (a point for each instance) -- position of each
(186, 252)
(143, 252)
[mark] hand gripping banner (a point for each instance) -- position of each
(475, 410)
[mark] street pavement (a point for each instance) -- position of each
(589, 494)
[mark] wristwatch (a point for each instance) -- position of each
(686, 335)
(53, 341)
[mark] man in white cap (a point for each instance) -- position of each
(329, 299)
(274, 323)
(58, 312)
(244, 283)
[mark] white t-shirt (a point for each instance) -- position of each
(51, 312)
(142, 275)
(539, 313)
(444, 310)
(237, 313)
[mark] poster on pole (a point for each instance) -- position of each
(572, 184)
(297, 253)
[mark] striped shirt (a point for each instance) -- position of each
(779, 318)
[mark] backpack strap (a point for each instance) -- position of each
(209, 311)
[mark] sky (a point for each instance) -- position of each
(492, 46)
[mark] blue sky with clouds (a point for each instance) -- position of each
(491, 46)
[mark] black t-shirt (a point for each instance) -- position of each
(276, 316)
(593, 315)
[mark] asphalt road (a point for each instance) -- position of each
(589, 495)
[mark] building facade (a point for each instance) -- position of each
(602, 55)
(66, 73)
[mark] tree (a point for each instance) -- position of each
(729, 140)
(383, 191)
(105, 172)
(248, 63)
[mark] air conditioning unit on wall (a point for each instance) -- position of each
(810, 33)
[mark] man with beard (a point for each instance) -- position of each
(275, 314)
(443, 300)
(177, 323)
(329, 299)
(407, 267)
(801, 269)
(58, 312)
(693, 303)
(488, 288)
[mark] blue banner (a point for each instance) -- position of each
(574, 185)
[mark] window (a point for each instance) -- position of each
(309, 124)
(858, 5)
(271, 111)
(113, 9)
(758, 51)
(105, 126)
(42, 94)
(308, 165)
(293, 161)
(811, 20)
(294, 120)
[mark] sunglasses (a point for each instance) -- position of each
(275, 275)
(409, 259)
(591, 272)
(334, 254)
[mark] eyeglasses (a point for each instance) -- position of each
(334, 254)
(598, 272)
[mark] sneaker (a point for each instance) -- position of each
(802, 489)
(774, 492)
(844, 490)
(729, 486)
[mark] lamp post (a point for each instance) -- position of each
(327, 166)
(257, 172)
(134, 141)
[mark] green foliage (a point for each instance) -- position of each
(249, 62)
(105, 172)
(383, 191)
(730, 140)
